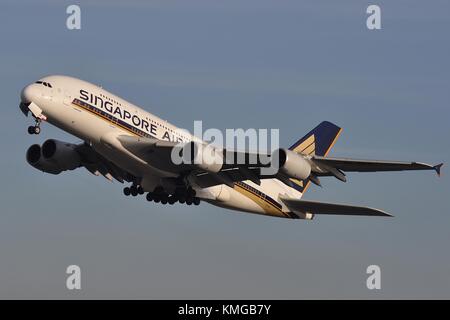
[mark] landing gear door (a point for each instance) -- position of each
(35, 110)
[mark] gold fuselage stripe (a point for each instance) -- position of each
(262, 200)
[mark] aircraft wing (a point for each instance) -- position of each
(158, 154)
(322, 166)
(313, 207)
(98, 165)
(153, 151)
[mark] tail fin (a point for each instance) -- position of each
(318, 141)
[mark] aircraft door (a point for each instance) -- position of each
(67, 98)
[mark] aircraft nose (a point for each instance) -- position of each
(29, 93)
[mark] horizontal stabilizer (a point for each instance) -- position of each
(313, 207)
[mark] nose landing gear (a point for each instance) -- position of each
(36, 129)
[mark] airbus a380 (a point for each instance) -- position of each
(124, 142)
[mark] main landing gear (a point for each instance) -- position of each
(160, 196)
(133, 190)
(36, 129)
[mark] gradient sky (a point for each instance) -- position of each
(234, 64)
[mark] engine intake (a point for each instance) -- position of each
(36, 160)
(53, 157)
(61, 153)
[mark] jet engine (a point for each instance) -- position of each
(203, 156)
(292, 164)
(53, 157)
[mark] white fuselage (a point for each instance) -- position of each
(97, 116)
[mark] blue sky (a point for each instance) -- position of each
(234, 64)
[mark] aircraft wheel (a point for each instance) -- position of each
(149, 197)
(140, 190)
(157, 199)
(189, 201)
(172, 200)
(126, 191)
(37, 130)
(31, 130)
(133, 191)
(196, 201)
(182, 199)
(164, 198)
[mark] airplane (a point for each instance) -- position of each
(124, 142)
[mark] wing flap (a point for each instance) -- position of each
(314, 207)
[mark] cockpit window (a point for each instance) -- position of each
(44, 83)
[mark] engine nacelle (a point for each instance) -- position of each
(61, 153)
(203, 156)
(53, 157)
(292, 164)
(36, 160)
